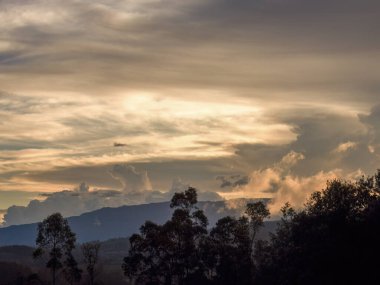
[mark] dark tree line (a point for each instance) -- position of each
(183, 251)
(334, 239)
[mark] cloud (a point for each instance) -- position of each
(136, 190)
(318, 133)
(282, 185)
(131, 180)
(372, 120)
(83, 188)
(195, 88)
(61, 163)
(67, 202)
(179, 186)
(344, 147)
(232, 180)
(290, 160)
(252, 48)
(8, 198)
(51, 134)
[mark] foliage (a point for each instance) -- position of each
(331, 241)
(256, 213)
(55, 237)
(169, 253)
(181, 251)
(230, 245)
(90, 251)
(71, 271)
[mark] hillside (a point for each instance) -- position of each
(16, 262)
(109, 223)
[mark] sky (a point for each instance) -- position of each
(137, 99)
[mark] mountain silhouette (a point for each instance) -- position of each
(108, 223)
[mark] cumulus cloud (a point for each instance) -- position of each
(312, 151)
(279, 183)
(344, 147)
(136, 189)
(132, 180)
(294, 189)
(289, 160)
(329, 140)
(67, 202)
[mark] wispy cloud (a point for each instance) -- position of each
(197, 88)
(290, 50)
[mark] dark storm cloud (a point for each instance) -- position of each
(232, 180)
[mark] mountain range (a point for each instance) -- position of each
(110, 223)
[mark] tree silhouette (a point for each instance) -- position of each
(169, 253)
(182, 252)
(230, 241)
(90, 251)
(333, 240)
(185, 230)
(71, 271)
(55, 237)
(256, 213)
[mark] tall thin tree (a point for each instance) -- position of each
(56, 238)
(90, 251)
